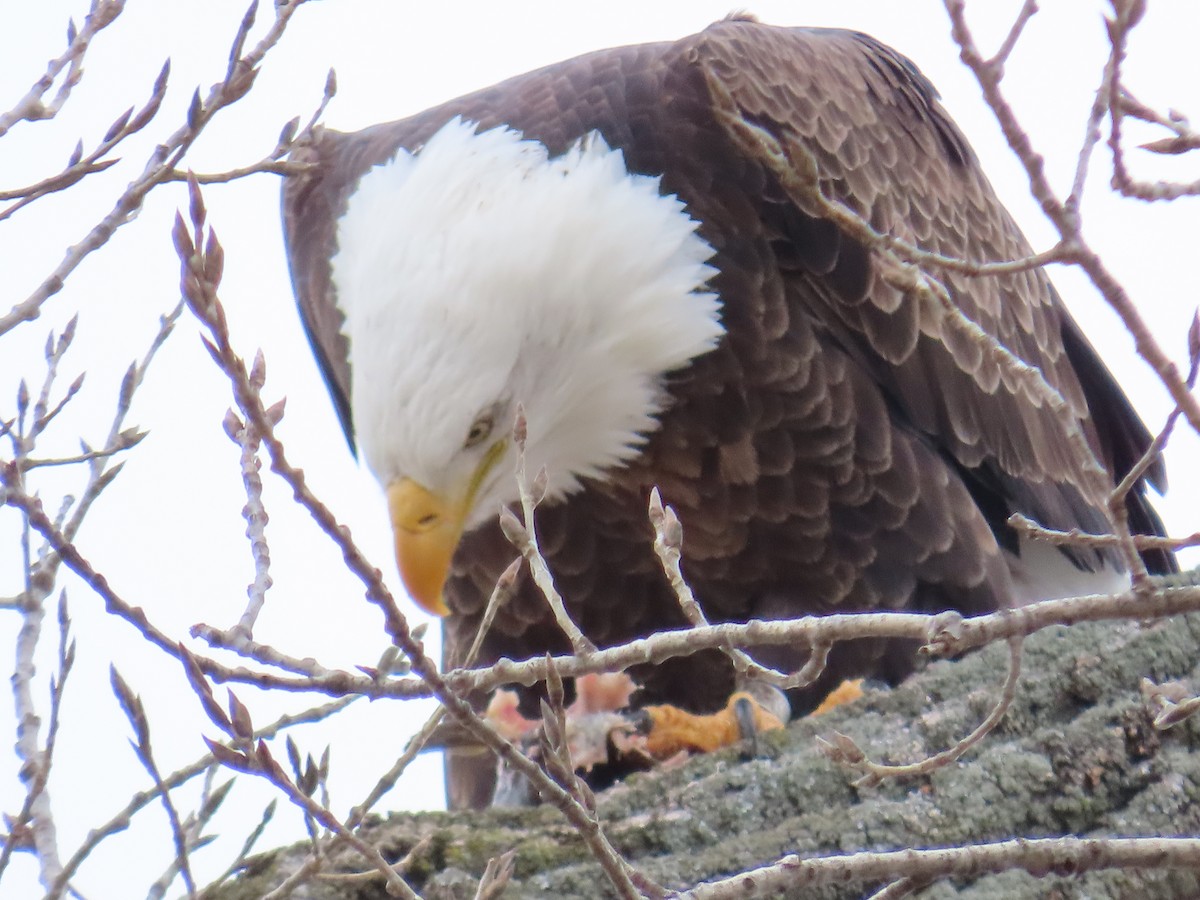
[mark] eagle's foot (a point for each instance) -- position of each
(846, 692)
(668, 730)
(606, 742)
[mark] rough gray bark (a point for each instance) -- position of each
(1077, 754)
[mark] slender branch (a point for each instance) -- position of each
(1064, 856)
(944, 633)
(902, 887)
(419, 849)
(254, 512)
(1101, 104)
(128, 439)
(140, 800)
(1075, 537)
(1028, 10)
(164, 159)
(268, 166)
(79, 166)
(1119, 28)
(1076, 249)
(260, 761)
(505, 585)
(135, 712)
(1171, 702)
(235, 639)
(843, 750)
(523, 536)
(32, 107)
(668, 546)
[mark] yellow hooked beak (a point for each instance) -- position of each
(427, 528)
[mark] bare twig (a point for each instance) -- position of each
(843, 750)
(120, 820)
(500, 595)
(166, 157)
(254, 511)
(1171, 702)
(668, 546)
(258, 760)
(944, 633)
(32, 107)
(273, 162)
(1028, 10)
(36, 798)
(1185, 138)
(1066, 856)
(262, 167)
(496, 876)
(419, 849)
(1075, 537)
(902, 887)
(1128, 14)
(135, 712)
(80, 166)
(126, 440)
(1075, 249)
(523, 536)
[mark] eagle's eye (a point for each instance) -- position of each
(479, 430)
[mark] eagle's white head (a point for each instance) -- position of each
(478, 274)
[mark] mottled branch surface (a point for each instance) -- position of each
(1077, 754)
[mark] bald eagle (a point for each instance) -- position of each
(593, 241)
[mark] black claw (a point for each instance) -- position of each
(743, 713)
(640, 720)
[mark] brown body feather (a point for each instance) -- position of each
(841, 448)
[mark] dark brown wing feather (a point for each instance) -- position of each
(884, 146)
(839, 449)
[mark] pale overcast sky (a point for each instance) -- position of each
(168, 534)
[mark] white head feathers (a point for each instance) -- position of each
(479, 273)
